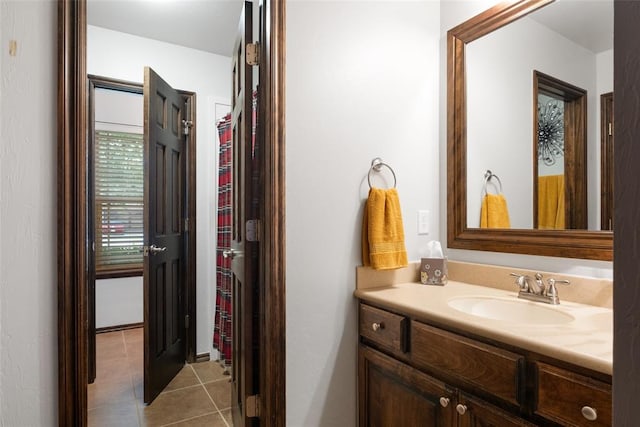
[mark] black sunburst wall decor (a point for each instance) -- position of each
(550, 130)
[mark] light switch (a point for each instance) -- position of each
(423, 222)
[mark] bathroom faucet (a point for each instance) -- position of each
(534, 289)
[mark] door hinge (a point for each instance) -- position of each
(186, 224)
(186, 321)
(252, 407)
(254, 227)
(253, 53)
(186, 125)
(610, 128)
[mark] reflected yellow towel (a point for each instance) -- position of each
(494, 212)
(551, 202)
(382, 231)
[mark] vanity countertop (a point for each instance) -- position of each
(585, 341)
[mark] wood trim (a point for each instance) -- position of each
(72, 259)
(191, 233)
(560, 243)
(626, 269)
(116, 328)
(118, 273)
(273, 262)
(202, 357)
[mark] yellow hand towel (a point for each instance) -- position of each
(494, 212)
(551, 202)
(382, 231)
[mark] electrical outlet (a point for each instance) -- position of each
(423, 222)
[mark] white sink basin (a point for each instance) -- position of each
(510, 310)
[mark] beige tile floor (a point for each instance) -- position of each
(200, 395)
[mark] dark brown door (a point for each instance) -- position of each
(391, 393)
(164, 328)
(244, 247)
(606, 161)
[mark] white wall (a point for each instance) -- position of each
(452, 14)
(209, 76)
(28, 279)
(500, 108)
(118, 301)
(362, 82)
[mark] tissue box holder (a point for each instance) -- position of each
(433, 271)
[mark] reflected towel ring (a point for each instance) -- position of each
(376, 165)
(488, 176)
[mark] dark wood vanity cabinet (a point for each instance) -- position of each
(414, 374)
(394, 394)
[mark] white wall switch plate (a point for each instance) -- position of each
(423, 222)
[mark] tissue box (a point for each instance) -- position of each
(433, 271)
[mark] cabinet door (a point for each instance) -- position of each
(474, 412)
(391, 393)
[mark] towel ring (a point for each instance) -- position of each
(376, 165)
(488, 176)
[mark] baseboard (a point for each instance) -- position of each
(202, 357)
(119, 327)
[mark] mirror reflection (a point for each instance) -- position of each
(539, 118)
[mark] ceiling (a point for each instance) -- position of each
(209, 25)
(588, 23)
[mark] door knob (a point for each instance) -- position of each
(462, 409)
(444, 402)
(153, 249)
(231, 253)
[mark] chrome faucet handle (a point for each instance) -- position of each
(552, 291)
(521, 281)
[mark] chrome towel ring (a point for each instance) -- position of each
(376, 166)
(488, 176)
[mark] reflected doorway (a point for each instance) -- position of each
(560, 154)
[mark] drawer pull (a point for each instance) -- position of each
(589, 413)
(444, 402)
(377, 326)
(462, 409)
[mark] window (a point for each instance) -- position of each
(119, 190)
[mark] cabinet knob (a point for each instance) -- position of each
(377, 326)
(589, 413)
(462, 409)
(444, 402)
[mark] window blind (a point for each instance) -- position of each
(119, 191)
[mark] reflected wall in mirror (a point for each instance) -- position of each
(524, 100)
(570, 44)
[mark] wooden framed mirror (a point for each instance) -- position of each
(524, 239)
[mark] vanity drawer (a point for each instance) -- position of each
(569, 398)
(475, 364)
(386, 329)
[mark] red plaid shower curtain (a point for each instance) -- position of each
(222, 324)
(222, 331)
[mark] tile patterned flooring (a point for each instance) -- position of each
(200, 395)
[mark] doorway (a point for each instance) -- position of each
(560, 154)
(72, 225)
(123, 192)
